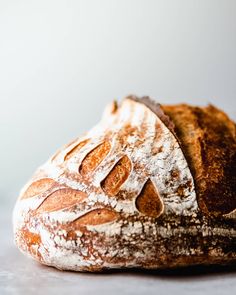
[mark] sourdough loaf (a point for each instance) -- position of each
(150, 186)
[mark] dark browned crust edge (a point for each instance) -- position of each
(155, 108)
(209, 146)
(208, 140)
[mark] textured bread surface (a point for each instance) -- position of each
(208, 139)
(150, 186)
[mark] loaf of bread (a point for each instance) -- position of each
(149, 187)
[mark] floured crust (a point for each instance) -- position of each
(123, 196)
(155, 108)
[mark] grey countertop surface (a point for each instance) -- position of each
(21, 275)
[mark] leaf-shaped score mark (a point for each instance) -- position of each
(38, 187)
(118, 175)
(149, 202)
(94, 158)
(72, 153)
(95, 217)
(61, 199)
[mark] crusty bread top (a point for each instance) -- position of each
(208, 139)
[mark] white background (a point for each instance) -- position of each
(61, 62)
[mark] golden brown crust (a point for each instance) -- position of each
(60, 199)
(97, 216)
(208, 139)
(75, 150)
(149, 202)
(117, 176)
(31, 241)
(37, 187)
(94, 158)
